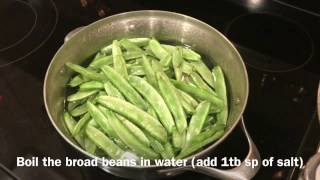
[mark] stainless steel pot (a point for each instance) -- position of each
(165, 26)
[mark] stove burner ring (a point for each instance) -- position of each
(270, 42)
(26, 34)
(38, 20)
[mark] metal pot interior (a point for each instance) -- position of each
(165, 26)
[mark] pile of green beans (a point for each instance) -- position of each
(145, 98)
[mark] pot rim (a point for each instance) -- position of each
(154, 12)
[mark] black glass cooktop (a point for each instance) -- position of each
(279, 44)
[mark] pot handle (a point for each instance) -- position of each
(72, 33)
(241, 172)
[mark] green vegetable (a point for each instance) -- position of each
(150, 74)
(124, 87)
(85, 72)
(195, 147)
(140, 97)
(155, 100)
(157, 49)
(81, 124)
(81, 95)
(202, 94)
(169, 150)
(188, 99)
(170, 96)
(136, 70)
(129, 46)
(166, 61)
(129, 138)
(91, 85)
(200, 83)
(135, 115)
(74, 104)
(221, 90)
(137, 132)
(186, 68)
(204, 72)
(112, 91)
(190, 55)
(197, 120)
(178, 139)
(103, 142)
(177, 62)
(140, 41)
(101, 120)
(71, 123)
(119, 63)
(129, 55)
(210, 131)
(89, 146)
(105, 60)
(76, 81)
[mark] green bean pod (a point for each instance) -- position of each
(119, 63)
(85, 72)
(89, 146)
(189, 109)
(178, 139)
(70, 124)
(210, 131)
(221, 90)
(166, 61)
(189, 54)
(105, 60)
(129, 55)
(135, 115)
(91, 85)
(169, 48)
(157, 49)
(195, 147)
(129, 138)
(81, 124)
(124, 87)
(170, 96)
(101, 119)
(152, 112)
(129, 46)
(107, 49)
(104, 143)
(189, 99)
(81, 95)
(137, 132)
(156, 66)
(155, 100)
(202, 94)
(98, 56)
(159, 148)
(196, 78)
(186, 68)
(177, 62)
(79, 110)
(204, 72)
(74, 104)
(112, 91)
(169, 150)
(197, 120)
(136, 70)
(150, 74)
(137, 41)
(140, 41)
(76, 81)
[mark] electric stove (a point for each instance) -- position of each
(278, 40)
